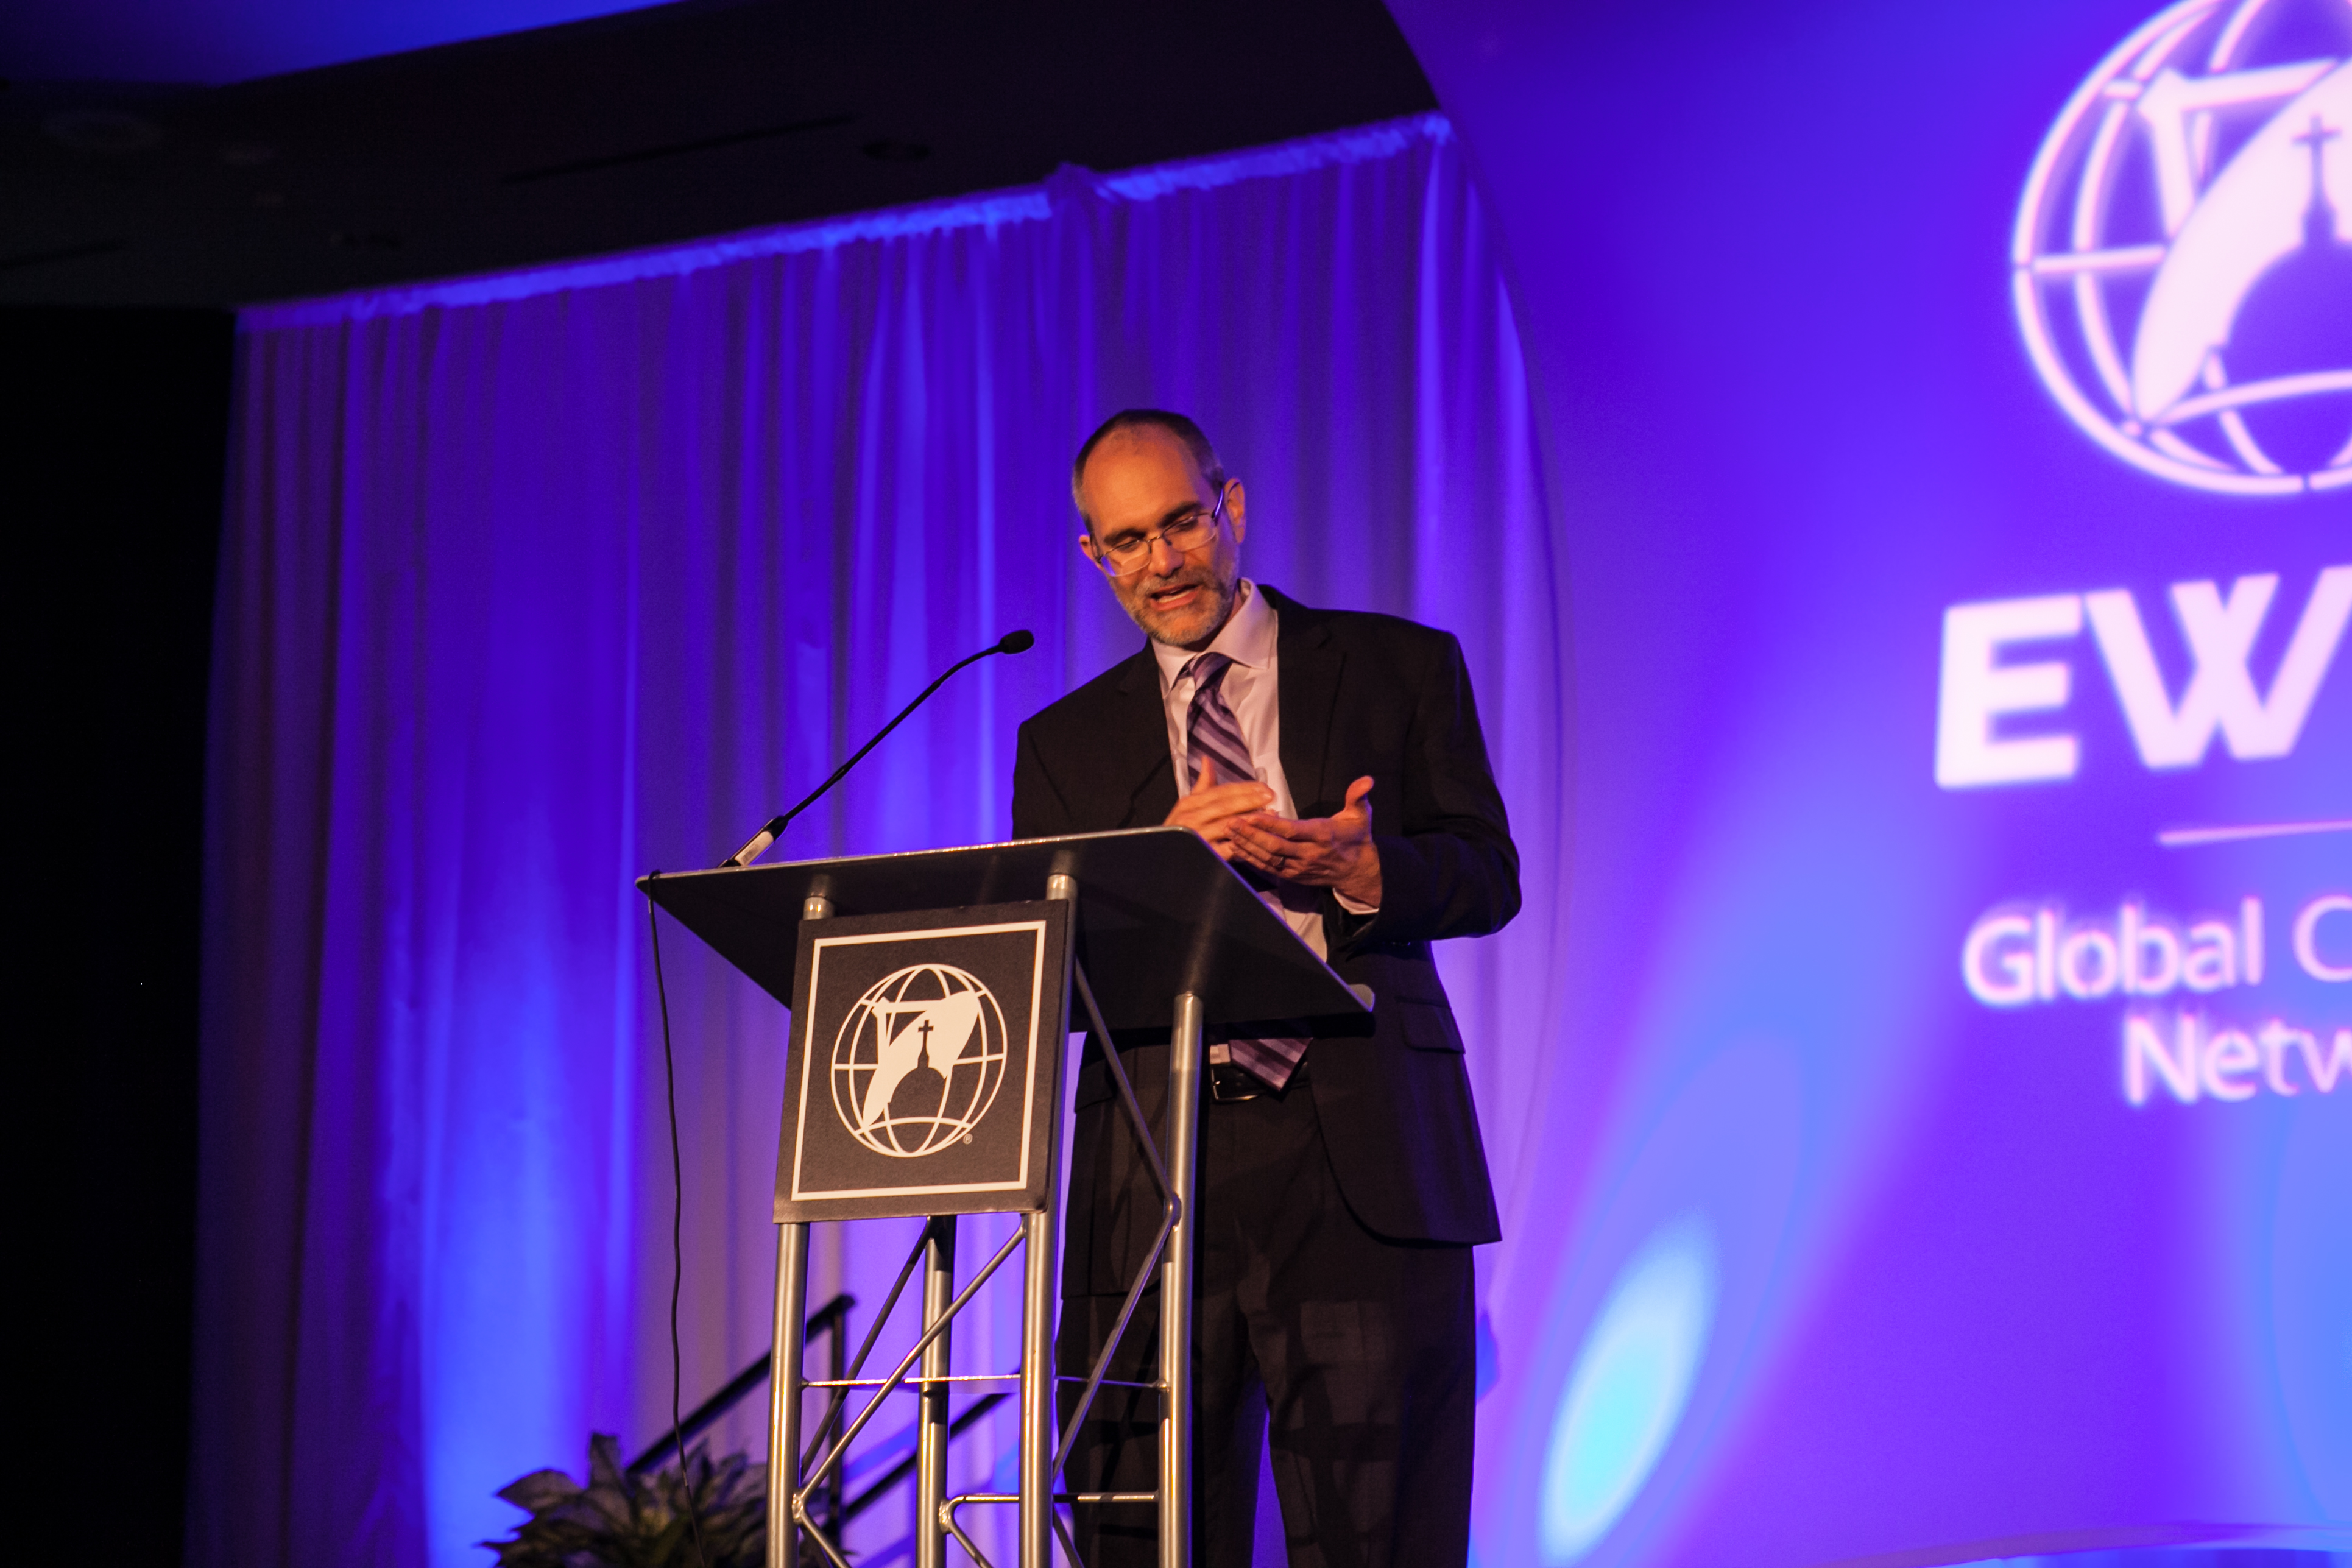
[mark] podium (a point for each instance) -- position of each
(931, 996)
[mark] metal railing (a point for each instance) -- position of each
(832, 1320)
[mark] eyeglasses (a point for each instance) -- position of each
(1125, 557)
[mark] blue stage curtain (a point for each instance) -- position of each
(533, 583)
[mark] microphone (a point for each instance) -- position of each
(1011, 642)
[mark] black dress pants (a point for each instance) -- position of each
(1351, 1354)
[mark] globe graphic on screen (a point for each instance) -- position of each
(2181, 266)
(919, 1061)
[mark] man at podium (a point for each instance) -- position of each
(1335, 758)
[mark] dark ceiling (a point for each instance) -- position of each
(641, 128)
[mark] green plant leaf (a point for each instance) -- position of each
(541, 1490)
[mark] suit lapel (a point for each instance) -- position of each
(1135, 750)
(1307, 689)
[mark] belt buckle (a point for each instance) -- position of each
(1229, 1083)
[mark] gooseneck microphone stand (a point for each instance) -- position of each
(1011, 642)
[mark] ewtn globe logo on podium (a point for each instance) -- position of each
(919, 1061)
(923, 1066)
(2182, 260)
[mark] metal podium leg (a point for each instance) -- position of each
(1040, 1412)
(1039, 1426)
(931, 1428)
(1176, 1289)
(784, 1392)
(784, 1370)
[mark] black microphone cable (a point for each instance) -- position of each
(1011, 642)
(677, 1242)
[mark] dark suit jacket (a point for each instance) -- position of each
(1360, 694)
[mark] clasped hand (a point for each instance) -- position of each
(1335, 851)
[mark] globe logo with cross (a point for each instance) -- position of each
(919, 1061)
(2181, 266)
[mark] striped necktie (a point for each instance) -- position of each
(1213, 736)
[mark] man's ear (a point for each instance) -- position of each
(1087, 548)
(1236, 510)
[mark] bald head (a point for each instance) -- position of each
(1131, 421)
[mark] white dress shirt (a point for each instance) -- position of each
(1251, 638)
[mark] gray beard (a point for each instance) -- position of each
(1233, 601)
